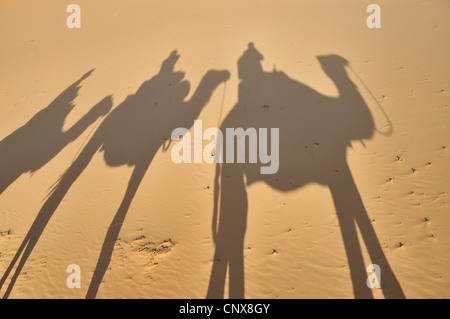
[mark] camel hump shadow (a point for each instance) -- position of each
(315, 131)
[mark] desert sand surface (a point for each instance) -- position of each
(87, 178)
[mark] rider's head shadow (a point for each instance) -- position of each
(315, 130)
(249, 64)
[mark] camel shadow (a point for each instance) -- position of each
(130, 135)
(314, 133)
(33, 145)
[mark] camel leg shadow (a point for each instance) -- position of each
(351, 212)
(46, 212)
(115, 227)
(230, 238)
